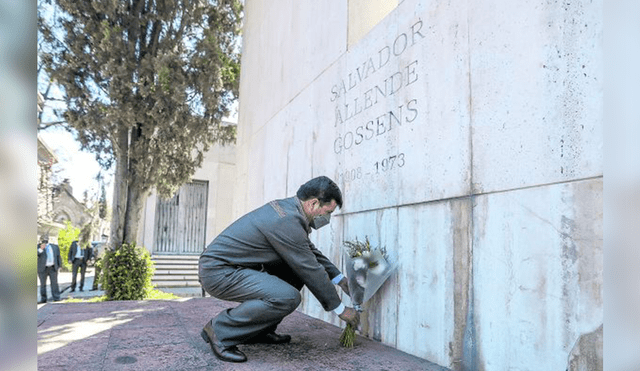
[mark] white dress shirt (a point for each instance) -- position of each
(79, 253)
(49, 251)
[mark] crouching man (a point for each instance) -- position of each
(263, 260)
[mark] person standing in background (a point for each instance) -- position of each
(79, 254)
(49, 261)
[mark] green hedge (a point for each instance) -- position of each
(127, 273)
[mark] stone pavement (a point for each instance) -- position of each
(64, 284)
(165, 335)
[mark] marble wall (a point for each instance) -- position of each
(466, 138)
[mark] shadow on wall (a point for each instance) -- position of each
(586, 354)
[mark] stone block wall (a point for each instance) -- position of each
(466, 138)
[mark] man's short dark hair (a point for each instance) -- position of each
(322, 188)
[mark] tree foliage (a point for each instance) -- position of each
(102, 203)
(145, 85)
(84, 237)
(65, 237)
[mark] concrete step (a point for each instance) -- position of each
(175, 271)
(176, 257)
(176, 266)
(186, 263)
(176, 261)
(182, 283)
(185, 292)
(175, 277)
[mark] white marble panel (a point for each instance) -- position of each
(426, 280)
(537, 274)
(256, 171)
(365, 14)
(329, 241)
(536, 92)
(223, 207)
(278, 138)
(378, 321)
(300, 158)
(285, 47)
(380, 316)
(390, 118)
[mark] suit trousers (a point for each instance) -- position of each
(52, 273)
(82, 265)
(265, 297)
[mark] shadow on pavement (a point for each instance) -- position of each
(165, 335)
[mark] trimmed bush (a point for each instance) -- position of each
(127, 273)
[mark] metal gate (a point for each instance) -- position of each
(181, 220)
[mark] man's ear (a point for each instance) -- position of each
(317, 203)
(311, 205)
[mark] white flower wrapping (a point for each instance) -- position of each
(366, 274)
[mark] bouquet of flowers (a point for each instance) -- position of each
(367, 269)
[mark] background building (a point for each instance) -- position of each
(202, 208)
(176, 230)
(67, 208)
(57, 204)
(46, 223)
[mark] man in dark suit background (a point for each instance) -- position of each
(49, 261)
(263, 260)
(79, 257)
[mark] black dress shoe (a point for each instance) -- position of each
(42, 301)
(227, 354)
(72, 290)
(270, 338)
(81, 290)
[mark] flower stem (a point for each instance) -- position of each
(348, 336)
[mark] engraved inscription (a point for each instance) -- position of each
(373, 100)
(377, 126)
(381, 167)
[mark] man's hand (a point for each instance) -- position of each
(351, 316)
(344, 285)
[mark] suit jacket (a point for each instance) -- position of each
(272, 236)
(42, 258)
(73, 250)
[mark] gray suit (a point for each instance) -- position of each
(51, 272)
(263, 260)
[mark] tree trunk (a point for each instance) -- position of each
(137, 191)
(120, 188)
(135, 205)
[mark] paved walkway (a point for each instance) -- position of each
(64, 284)
(165, 335)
